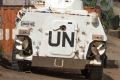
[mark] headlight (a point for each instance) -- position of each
(19, 47)
(100, 46)
(18, 44)
(18, 41)
(22, 43)
(23, 46)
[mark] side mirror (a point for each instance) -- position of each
(115, 22)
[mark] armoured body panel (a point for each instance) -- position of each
(50, 40)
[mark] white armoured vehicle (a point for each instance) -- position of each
(60, 35)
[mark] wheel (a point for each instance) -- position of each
(21, 66)
(85, 73)
(95, 72)
(103, 59)
(24, 65)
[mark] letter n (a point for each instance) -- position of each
(70, 41)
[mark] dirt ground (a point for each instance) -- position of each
(7, 74)
(113, 48)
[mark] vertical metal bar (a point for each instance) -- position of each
(1, 34)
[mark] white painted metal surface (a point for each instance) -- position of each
(71, 40)
(64, 4)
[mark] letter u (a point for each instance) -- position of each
(50, 39)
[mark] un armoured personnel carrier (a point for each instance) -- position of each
(61, 35)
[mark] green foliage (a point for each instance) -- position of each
(105, 5)
(90, 3)
(107, 11)
(115, 22)
(106, 18)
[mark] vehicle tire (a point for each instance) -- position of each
(14, 62)
(85, 73)
(103, 59)
(95, 73)
(24, 65)
(21, 66)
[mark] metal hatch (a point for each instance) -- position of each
(61, 38)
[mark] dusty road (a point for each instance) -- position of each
(112, 74)
(7, 74)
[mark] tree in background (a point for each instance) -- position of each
(106, 8)
(90, 3)
(107, 12)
